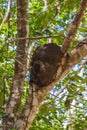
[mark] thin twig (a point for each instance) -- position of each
(45, 5)
(6, 14)
(56, 6)
(34, 38)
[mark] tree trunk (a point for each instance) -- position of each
(35, 98)
(20, 66)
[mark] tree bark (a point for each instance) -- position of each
(74, 26)
(34, 98)
(20, 66)
(37, 96)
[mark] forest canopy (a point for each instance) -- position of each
(24, 26)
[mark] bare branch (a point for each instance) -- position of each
(73, 26)
(78, 53)
(6, 14)
(45, 102)
(45, 5)
(33, 38)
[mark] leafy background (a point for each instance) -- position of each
(62, 111)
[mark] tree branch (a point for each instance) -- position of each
(34, 38)
(6, 14)
(74, 26)
(78, 53)
(45, 5)
(33, 102)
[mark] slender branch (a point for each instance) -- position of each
(33, 38)
(6, 14)
(45, 102)
(57, 6)
(74, 26)
(45, 5)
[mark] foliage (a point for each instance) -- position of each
(53, 115)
